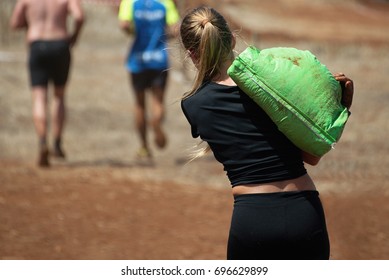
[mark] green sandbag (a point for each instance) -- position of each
(298, 93)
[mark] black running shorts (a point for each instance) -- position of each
(49, 61)
(148, 79)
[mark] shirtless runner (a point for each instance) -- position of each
(49, 45)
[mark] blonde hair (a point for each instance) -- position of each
(207, 37)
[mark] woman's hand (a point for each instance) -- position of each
(347, 89)
(310, 159)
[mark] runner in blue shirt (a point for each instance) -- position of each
(151, 22)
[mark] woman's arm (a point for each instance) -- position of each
(310, 159)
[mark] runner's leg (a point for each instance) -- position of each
(39, 111)
(158, 115)
(58, 118)
(141, 118)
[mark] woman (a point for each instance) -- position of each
(277, 211)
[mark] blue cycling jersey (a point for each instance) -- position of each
(150, 19)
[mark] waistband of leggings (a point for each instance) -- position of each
(276, 196)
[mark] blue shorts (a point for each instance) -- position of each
(49, 61)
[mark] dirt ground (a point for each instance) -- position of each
(101, 203)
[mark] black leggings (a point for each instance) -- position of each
(278, 226)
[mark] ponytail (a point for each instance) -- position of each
(207, 37)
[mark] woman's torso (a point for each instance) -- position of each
(255, 154)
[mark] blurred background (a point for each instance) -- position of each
(102, 204)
